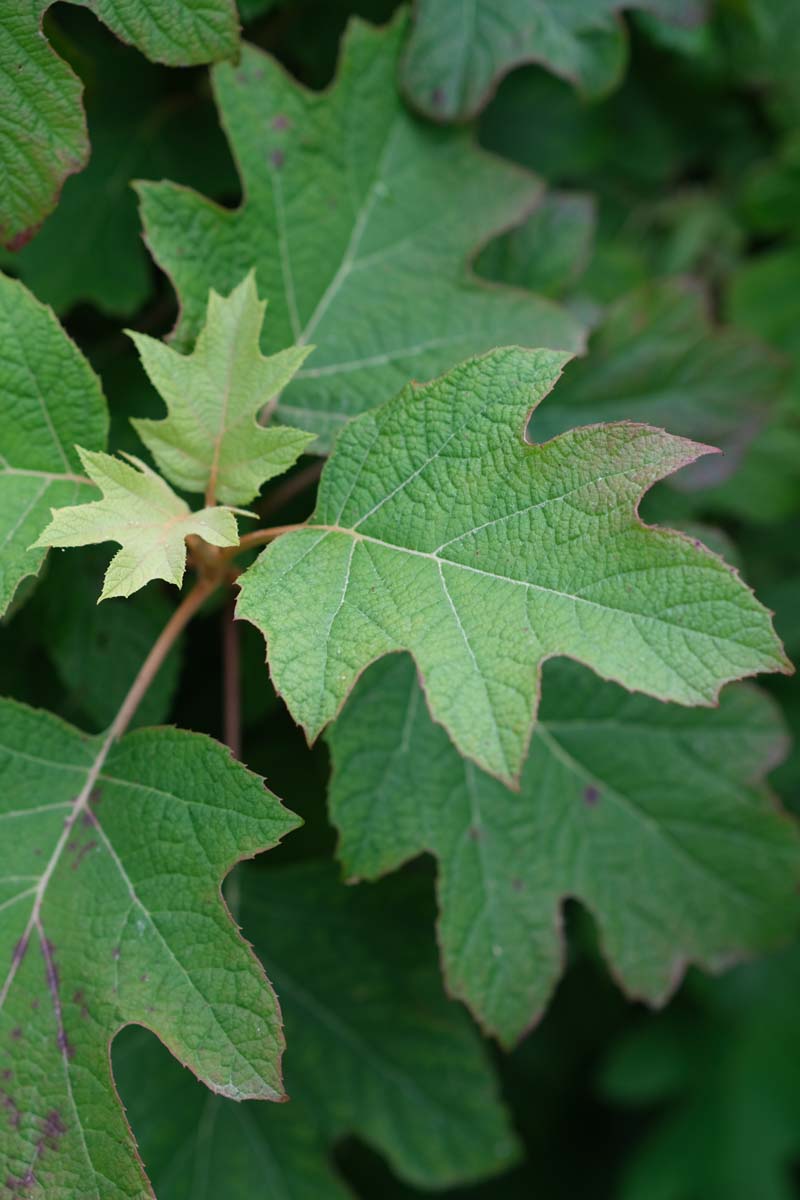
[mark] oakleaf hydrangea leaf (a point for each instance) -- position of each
(359, 986)
(548, 252)
(657, 357)
(110, 868)
(460, 49)
(654, 817)
(211, 439)
(43, 129)
(439, 530)
(51, 399)
(359, 220)
(141, 512)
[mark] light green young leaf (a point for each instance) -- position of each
(43, 129)
(374, 1049)
(439, 530)
(360, 221)
(211, 441)
(141, 512)
(460, 49)
(654, 817)
(50, 399)
(111, 861)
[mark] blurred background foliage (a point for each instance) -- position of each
(670, 224)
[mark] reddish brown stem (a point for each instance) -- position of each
(260, 537)
(231, 682)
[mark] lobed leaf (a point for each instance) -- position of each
(459, 50)
(110, 868)
(43, 131)
(359, 220)
(211, 438)
(51, 400)
(654, 817)
(439, 530)
(373, 1050)
(141, 512)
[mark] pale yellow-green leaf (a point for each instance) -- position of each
(141, 512)
(214, 395)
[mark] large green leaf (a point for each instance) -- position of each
(111, 861)
(51, 399)
(359, 220)
(43, 129)
(654, 817)
(211, 438)
(141, 512)
(460, 49)
(439, 530)
(373, 1049)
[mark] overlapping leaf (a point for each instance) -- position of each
(373, 1049)
(459, 50)
(654, 817)
(359, 220)
(141, 512)
(439, 530)
(110, 865)
(51, 399)
(211, 441)
(547, 252)
(656, 357)
(43, 129)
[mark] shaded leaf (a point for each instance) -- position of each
(141, 512)
(43, 131)
(111, 914)
(433, 512)
(211, 439)
(373, 1049)
(656, 357)
(359, 220)
(654, 817)
(725, 1078)
(459, 51)
(51, 400)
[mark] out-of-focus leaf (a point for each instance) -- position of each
(375, 1050)
(359, 220)
(548, 252)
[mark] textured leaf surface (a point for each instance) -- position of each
(136, 131)
(141, 512)
(440, 531)
(652, 816)
(211, 437)
(110, 864)
(43, 131)
(460, 49)
(656, 357)
(373, 1049)
(51, 399)
(359, 220)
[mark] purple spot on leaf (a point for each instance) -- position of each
(591, 795)
(277, 158)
